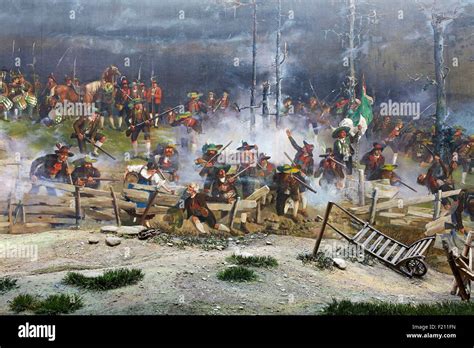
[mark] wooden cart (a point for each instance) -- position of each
(406, 259)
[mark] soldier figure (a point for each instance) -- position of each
(86, 130)
(85, 174)
(331, 173)
(343, 150)
(373, 160)
(139, 122)
(287, 187)
(153, 98)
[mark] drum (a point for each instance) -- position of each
(7, 103)
(130, 178)
(31, 100)
(20, 102)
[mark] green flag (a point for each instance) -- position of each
(364, 110)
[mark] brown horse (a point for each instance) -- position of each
(60, 93)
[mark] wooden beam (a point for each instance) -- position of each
(437, 205)
(373, 206)
(77, 205)
(233, 212)
(361, 187)
(406, 202)
(116, 207)
(323, 228)
(457, 275)
(259, 193)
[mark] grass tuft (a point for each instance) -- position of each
(321, 261)
(52, 305)
(7, 284)
(253, 261)
(112, 279)
(237, 274)
(24, 302)
(59, 304)
(346, 307)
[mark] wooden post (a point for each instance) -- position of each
(259, 211)
(361, 187)
(457, 275)
(116, 208)
(323, 228)
(10, 211)
(148, 206)
(468, 254)
(373, 206)
(233, 212)
(437, 205)
(77, 200)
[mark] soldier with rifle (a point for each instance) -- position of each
(85, 174)
(122, 100)
(208, 162)
(373, 160)
(139, 122)
(86, 130)
(153, 98)
(287, 187)
(330, 171)
(51, 167)
(247, 160)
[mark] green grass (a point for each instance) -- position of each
(112, 279)
(52, 305)
(24, 302)
(39, 137)
(385, 308)
(321, 261)
(253, 261)
(59, 304)
(237, 274)
(7, 284)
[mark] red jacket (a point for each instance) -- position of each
(154, 92)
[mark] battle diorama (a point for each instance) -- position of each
(236, 157)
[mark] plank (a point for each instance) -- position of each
(398, 255)
(390, 251)
(105, 215)
(50, 219)
(51, 210)
(392, 215)
(384, 246)
(259, 193)
(376, 243)
(406, 202)
(30, 199)
(153, 210)
(71, 188)
(367, 241)
(243, 205)
(359, 235)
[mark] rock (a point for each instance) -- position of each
(169, 244)
(220, 247)
(130, 230)
(93, 240)
(274, 226)
(113, 241)
(340, 263)
(109, 229)
(269, 243)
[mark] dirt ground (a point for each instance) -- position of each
(182, 280)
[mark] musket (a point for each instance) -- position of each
(12, 164)
(100, 179)
(74, 69)
(217, 106)
(304, 184)
(411, 188)
(336, 161)
(217, 154)
(243, 170)
(99, 148)
(129, 129)
(429, 150)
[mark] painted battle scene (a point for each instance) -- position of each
(236, 157)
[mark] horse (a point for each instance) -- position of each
(61, 93)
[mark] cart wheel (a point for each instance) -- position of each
(417, 267)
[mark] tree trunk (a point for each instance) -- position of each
(352, 80)
(438, 30)
(254, 69)
(277, 68)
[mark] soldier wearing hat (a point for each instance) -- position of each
(122, 100)
(330, 172)
(85, 174)
(153, 98)
(208, 161)
(5, 103)
(86, 129)
(211, 101)
(167, 159)
(386, 171)
(465, 153)
(343, 149)
(51, 167)
(287, 187)
(248, 164)
(373, 159)
(105, 101)
(140, 122)
(198, 211)
(195, 106)
(393, 139)
(304, 155)
(223, 187)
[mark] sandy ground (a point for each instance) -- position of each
(184, 281)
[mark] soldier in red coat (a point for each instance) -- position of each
(373, 160)
(195, 106)
(153, 98)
